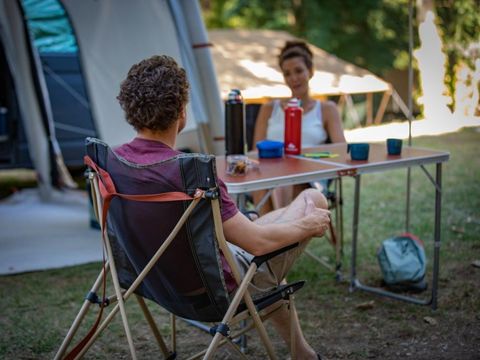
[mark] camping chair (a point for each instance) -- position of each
(151, 228)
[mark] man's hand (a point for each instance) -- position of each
(316, 219)
(298, 222)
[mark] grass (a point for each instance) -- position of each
(37, 308)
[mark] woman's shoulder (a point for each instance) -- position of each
(271, 106)
(274, 103)
(328, 108)
(266, 111)
(327, 104)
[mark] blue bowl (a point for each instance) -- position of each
(268, 149)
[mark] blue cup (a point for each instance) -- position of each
(394, 146)
(358, 151)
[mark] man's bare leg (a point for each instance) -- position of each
(281, 319)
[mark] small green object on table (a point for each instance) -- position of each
(319, 155)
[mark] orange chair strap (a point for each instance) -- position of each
(108, 191)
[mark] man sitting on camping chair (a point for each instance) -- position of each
(154, 97)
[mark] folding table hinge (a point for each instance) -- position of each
(347, 172)
(221, 328)
(94, 299)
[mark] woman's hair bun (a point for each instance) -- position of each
(296, 48)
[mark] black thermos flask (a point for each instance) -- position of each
(234, 123)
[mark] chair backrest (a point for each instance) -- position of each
(188, 279)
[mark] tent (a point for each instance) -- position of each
(111, 35)
(247, 60)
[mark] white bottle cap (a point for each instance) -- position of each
(293, 102)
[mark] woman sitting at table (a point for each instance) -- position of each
(321, 121)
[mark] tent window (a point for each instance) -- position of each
(49, 26)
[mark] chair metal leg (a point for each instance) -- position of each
(100, 328)
(231, 311)
(235, 348)
(173, 327)
(319, 260)
(80, 316)
(153, 326)
(293, 345)
(259, 325)
(265, 316)
(120, 299)
(243, 339)
(242, 292)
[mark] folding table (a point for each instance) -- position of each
(291, 170)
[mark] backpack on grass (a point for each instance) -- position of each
(403, 263)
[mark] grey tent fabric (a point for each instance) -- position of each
(111, 35)
(114, 35)
(12, 34)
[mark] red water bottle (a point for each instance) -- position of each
(293, 127)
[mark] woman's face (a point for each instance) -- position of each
(296, 75)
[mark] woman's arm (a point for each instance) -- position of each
(333, 122)
(261, 123)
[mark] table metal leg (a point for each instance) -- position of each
(241, 202)
(356, 208)
(340, 204)
(338, 229)
(263, 200)
(356, 284)
(437, 235)
(407, 205)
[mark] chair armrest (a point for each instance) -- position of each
(259, 260)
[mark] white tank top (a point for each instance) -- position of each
(313, 131)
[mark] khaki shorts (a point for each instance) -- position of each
(271, 273)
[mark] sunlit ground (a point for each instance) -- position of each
(419, 128)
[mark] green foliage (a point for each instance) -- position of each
(460, 24)
(369, 33)
(246, 14)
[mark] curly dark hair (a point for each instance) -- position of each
(154, 93)
(296, 48)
